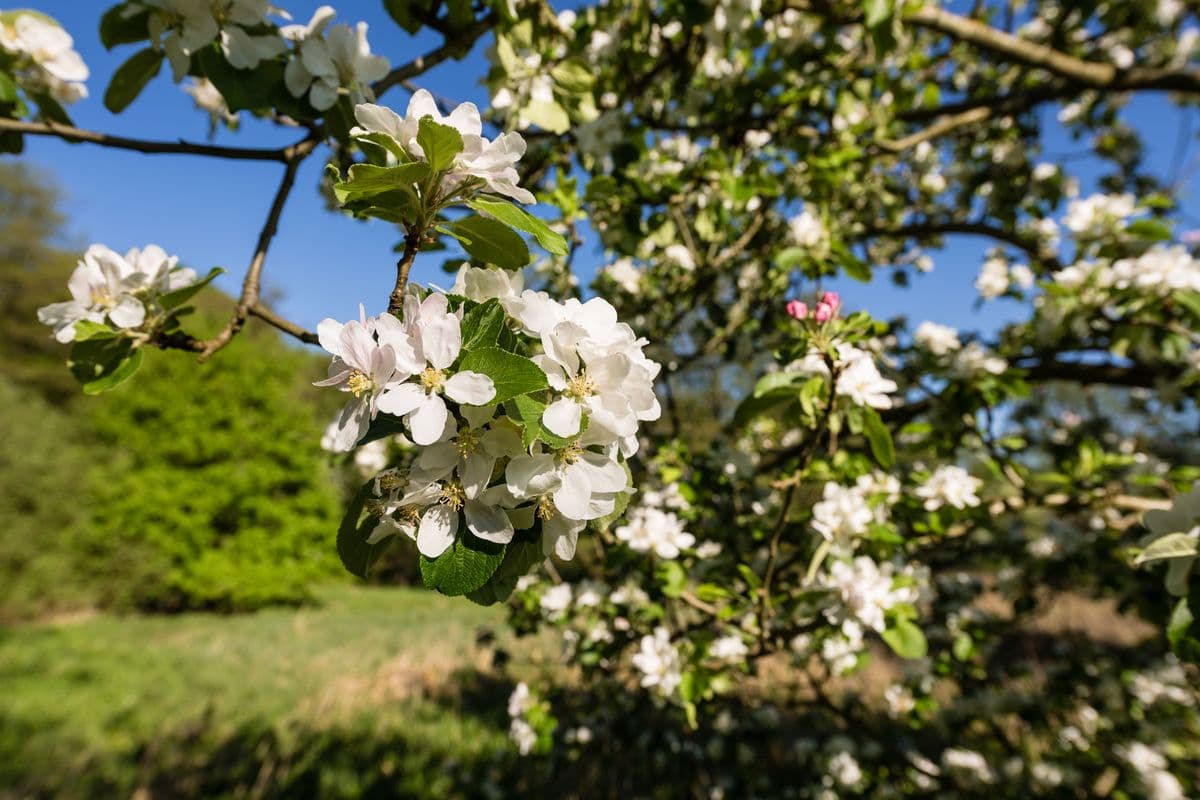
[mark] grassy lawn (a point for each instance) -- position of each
(108, 703)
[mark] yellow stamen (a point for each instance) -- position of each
(432, 379)
(453, 496)
(569, 454)
(580, 387)
(545, 508)
(359, 383)
(467, 441)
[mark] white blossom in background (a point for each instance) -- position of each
(949, 485)
(937, 339)
(866, 592)
(45, 57)
(806, 229)
(491, 161)
(730, 648)
(844, 769)
(659, 662)
(624, 274)
(209, 100)
(556, 600)
(108, 288)
(650, 529)
(859, 378)
(842, 514)
(328, 63)
(1100, 213)
(973, 361)
(1159, 271)
(1151, 767)
(993, 279)
(967, 764)
(679, 255)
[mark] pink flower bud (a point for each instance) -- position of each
(797, 310)
(832, 300)
(823, 312)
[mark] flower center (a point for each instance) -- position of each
(468, 441)
(580, 387)
(432, 379)
(101, 298)
(409, 514)
(392, 480)
(545, 508)
(359, 383)
(453, 496)
(569, 454)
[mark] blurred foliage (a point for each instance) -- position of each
(220, 499)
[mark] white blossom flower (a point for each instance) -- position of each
(624, 274)
(993, 279)
(364, 367)
(436, 337)
(659, 662)
(866, 591)
(653, 529)
(949, 485)
(680, 256)
(862, 383)
(1100, 213)
(493, 162)
(968, 764)
(937, 339)
(330, 63)
(844, 769)
(1183, 520)
(730, 648)
(806, 229)
(523, 736)
(46, 59)
(973, 360)
(842, 514)
(556, 600)
(209, 99)
(109, 287)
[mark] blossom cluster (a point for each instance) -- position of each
(1159, 271)
(547, 452)
(42, 55)
(121, 291)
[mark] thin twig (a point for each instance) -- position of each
(72, 134)
(253, 281)
(456, 47)
(412, 244)
(292, 329)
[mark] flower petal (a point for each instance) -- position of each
(489, 523)
(470, 388)
(562, 417)
(428, 420)
(436, 534)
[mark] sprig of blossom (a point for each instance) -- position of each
(44, 56)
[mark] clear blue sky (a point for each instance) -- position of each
(324, 264)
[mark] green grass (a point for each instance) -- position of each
(108, 702)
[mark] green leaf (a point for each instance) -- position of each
(620, 503)
(50, 109)
(178, 297)
(368, 181)
(1154, 230)
(124, 24)
(8, 89)
(776, 380)
(481, 325)
(398, 10)
(547, 115)
(440, 143)
(671, 578)
(519, 558)
(513, 375)
(906, 639)
(1172, 545)
(131, 77)
(382, 426)
(103, 363)
(573, 75)
(877, 12)
(531, 411)
(490, 241)
(1189, 300)
(856, 269)
(358, 556)
(1177, 626)
(86, 329)
(963, 647)
(879, 437)
(516, 217)
(465, 567)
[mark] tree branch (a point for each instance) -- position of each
(455, 46)
(71, 134)
(253, 281)
(971, 228)
(412, 244)
(1096, 75)
(292, 329)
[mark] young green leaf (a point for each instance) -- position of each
(879, 437)
(178, 297)
(440, 143)
(124, 24)
(481, 325)
(513, 375)
(491, 242)
(103, 363)
(365, 181)
(516, 217)
(906, 639)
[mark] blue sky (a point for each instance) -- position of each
(323, 264)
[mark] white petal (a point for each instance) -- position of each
(470, 388)
(488, 522)
(400, 400)
(562, 417)
(531, 476)
(573, 496)
(428, 420)
(129, 313)
(441, 339)
(436, 534)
